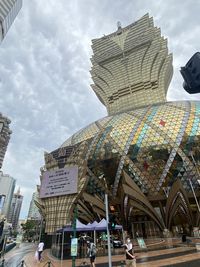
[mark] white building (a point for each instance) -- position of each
(15, 208)
(7, 187)
(8, 12)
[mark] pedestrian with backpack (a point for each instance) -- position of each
(91, 252)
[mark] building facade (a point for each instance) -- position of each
(13, 216)
(7, 187)
(5, 133)
(144, 154)
(8, 12)
(33, 213)
(131, 67)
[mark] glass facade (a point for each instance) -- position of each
(145, 154)
(155, 145)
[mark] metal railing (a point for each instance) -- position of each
(49, 264)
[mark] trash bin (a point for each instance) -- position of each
(184, 238)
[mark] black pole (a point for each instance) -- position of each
(74, 233)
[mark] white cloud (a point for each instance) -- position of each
(44, 71)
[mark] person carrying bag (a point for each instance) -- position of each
(91, 252)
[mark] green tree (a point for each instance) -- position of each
(29, 229)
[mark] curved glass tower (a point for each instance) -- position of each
(144, 154)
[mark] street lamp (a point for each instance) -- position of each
(108, 232)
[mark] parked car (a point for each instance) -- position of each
(116, 243)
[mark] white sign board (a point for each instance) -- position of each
(141, 243)
(74, 247)
(59, 182)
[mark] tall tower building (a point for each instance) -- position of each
(8, 12)
(131, 67)
(5, 133)
(33, 213)
(15, 209)
(7, 187)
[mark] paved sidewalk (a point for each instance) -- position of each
(165, 257)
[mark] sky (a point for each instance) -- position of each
(44, 71)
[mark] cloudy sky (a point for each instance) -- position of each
(44, 71)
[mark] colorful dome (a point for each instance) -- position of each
(154, 144)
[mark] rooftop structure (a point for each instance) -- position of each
(131, 67)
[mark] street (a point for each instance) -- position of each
(14, 257)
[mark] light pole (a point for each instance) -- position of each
(108, 232)
(62, 247)
(107, 220)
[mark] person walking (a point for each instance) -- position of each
(40, 250)
(91, 252)
(130, 258)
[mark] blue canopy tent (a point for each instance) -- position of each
(95, 226)
(102, 225)
(90, 227)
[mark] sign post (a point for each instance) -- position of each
(74, 240)
(141, 243)
(74, 247)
